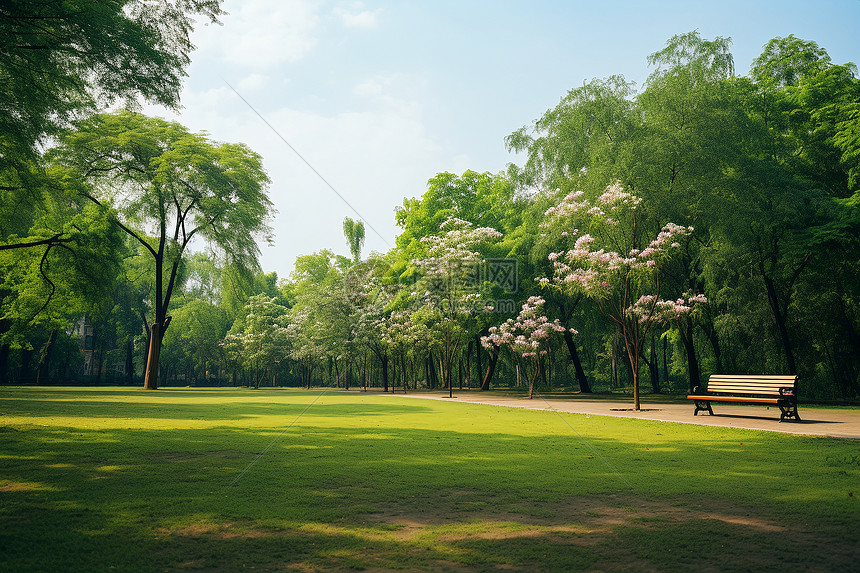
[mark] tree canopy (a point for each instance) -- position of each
(703, 223)
(168, 186)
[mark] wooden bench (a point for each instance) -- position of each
(755, 389)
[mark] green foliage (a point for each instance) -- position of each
(785, 61)
(353, 231)
(763, 167)
(169, 186)
(579, 142)
(61, 60)
(73, 274)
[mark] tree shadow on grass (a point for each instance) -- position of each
(325, 497)
(618, 532)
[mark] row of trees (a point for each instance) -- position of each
(707, 223)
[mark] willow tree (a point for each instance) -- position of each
(64, 60)
(167, 187)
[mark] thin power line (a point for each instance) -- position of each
(585, 441)
(306, 162)
(276, 439)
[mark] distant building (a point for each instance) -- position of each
(86, 342)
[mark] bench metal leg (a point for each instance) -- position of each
(789, 411)
(702, 405)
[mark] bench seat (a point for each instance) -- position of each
(749, 389)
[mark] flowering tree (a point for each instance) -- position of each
(613, 262)
(404, 332)
(307, 339)
(527, 334)
(448, 291)
(259, 339)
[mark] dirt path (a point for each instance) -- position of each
(835, 422)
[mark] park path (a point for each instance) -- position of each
(834, 422)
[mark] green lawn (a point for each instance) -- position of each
(113, 479)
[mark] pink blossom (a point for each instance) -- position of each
(582, 241)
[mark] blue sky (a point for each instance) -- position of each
(379, 96)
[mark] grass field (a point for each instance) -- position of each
(118, 479)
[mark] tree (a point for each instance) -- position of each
(61, 60)
(527, 334)
(584, 138)
(784, 61)
(260, 338)
(168, 186)
(790, 192)
(618, 266)
(448, 293)
(692, 134)
(354, 233)
(53, 286)
(322, 314)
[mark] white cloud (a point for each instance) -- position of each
(368, 88)
(356, 16)
(394, 92)
(373, 158)
(261, 34)
(252, 83)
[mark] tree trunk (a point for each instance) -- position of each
(491, 369)
(156, 334)
(690, 348)
(532, 379)
(633, 359)
(780, 311)
(431, 368)
(714, 339)
(781, 319)
(129, 362)
(404, 371)
(101, 360)
(479, 349)
(613, 372)
(653, 367)
(542, 370)
(364, 372)
(146, 349)
(665, 364)
(468, 366)
(384, 360)
(43, 374)
(4, 363)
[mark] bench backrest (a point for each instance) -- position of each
(766, 385)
